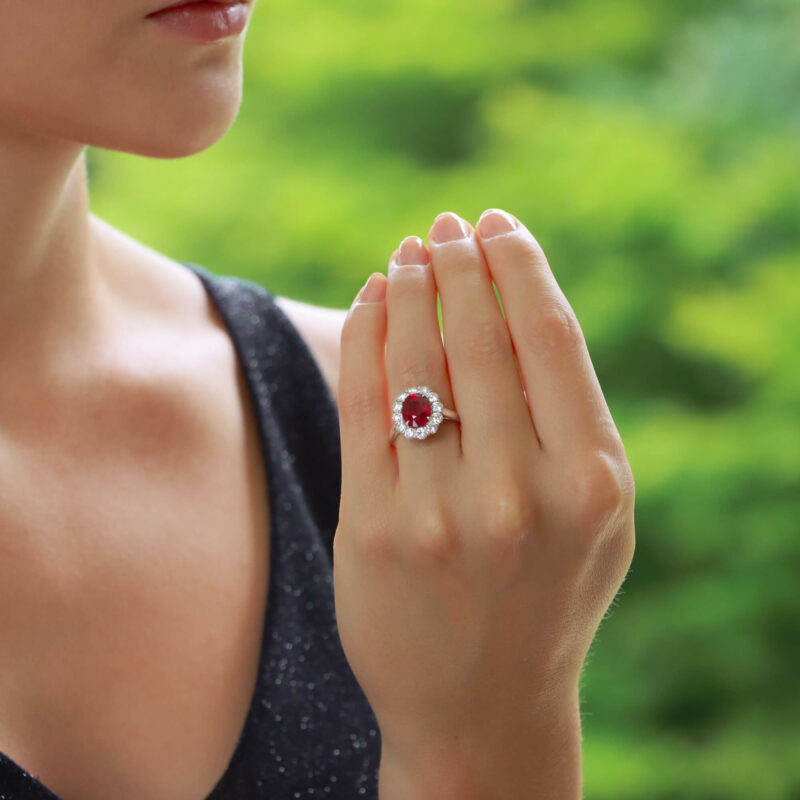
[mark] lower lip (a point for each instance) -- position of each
(204, 21)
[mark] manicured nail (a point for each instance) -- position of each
(448, 227)
(494, 222)
(374, 290)
(412, 251)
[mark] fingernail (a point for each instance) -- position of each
(412, 251)
(448, 227)
(373, 291)
(494, 222)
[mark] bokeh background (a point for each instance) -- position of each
(652, 147)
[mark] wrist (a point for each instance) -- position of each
(504, 759)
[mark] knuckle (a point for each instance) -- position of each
(434, 537)
(484, 343)
(602, 488)
(507, 516)
(555, 329)
(414, 368)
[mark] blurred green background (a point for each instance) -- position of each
(652, 147)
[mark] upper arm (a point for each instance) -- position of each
(321, 328)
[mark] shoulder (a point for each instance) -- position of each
(168, 284)
(321, 328)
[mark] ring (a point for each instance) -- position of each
(417, 413)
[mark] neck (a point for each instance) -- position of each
(48, 277)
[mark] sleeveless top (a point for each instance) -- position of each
(310, 731)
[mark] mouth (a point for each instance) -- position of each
(182, 3)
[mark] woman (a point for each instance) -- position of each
(175, 476)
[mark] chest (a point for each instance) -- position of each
(133, 586)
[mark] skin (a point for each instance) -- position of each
(473, 568)
(133, 560)
(133, 509)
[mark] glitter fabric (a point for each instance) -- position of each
(310, 731)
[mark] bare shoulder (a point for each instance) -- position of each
(159, 282)
(321, 328)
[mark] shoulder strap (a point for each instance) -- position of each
(298, 418)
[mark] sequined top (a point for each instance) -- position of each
(309, 731)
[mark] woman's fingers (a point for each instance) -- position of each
(415, 357)
(364, 421)
(394, 343)
(495, 420)
(565, 397)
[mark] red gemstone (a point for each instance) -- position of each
(416, 410)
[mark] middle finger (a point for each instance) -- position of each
(495, 419)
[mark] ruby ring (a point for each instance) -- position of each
(417, 413)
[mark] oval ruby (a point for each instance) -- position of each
(416, 410)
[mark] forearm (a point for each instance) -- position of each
(538, 761)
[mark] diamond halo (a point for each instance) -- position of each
(434, 420)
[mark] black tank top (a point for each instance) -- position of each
(310, 731)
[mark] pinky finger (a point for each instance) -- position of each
(362, 399)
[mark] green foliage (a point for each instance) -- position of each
(653, 150)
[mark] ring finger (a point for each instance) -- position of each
(415, 357)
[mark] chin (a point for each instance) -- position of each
(194, 130)
(103, 75)
(177, 119)
(171, 122)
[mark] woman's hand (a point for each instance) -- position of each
(473, 568)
